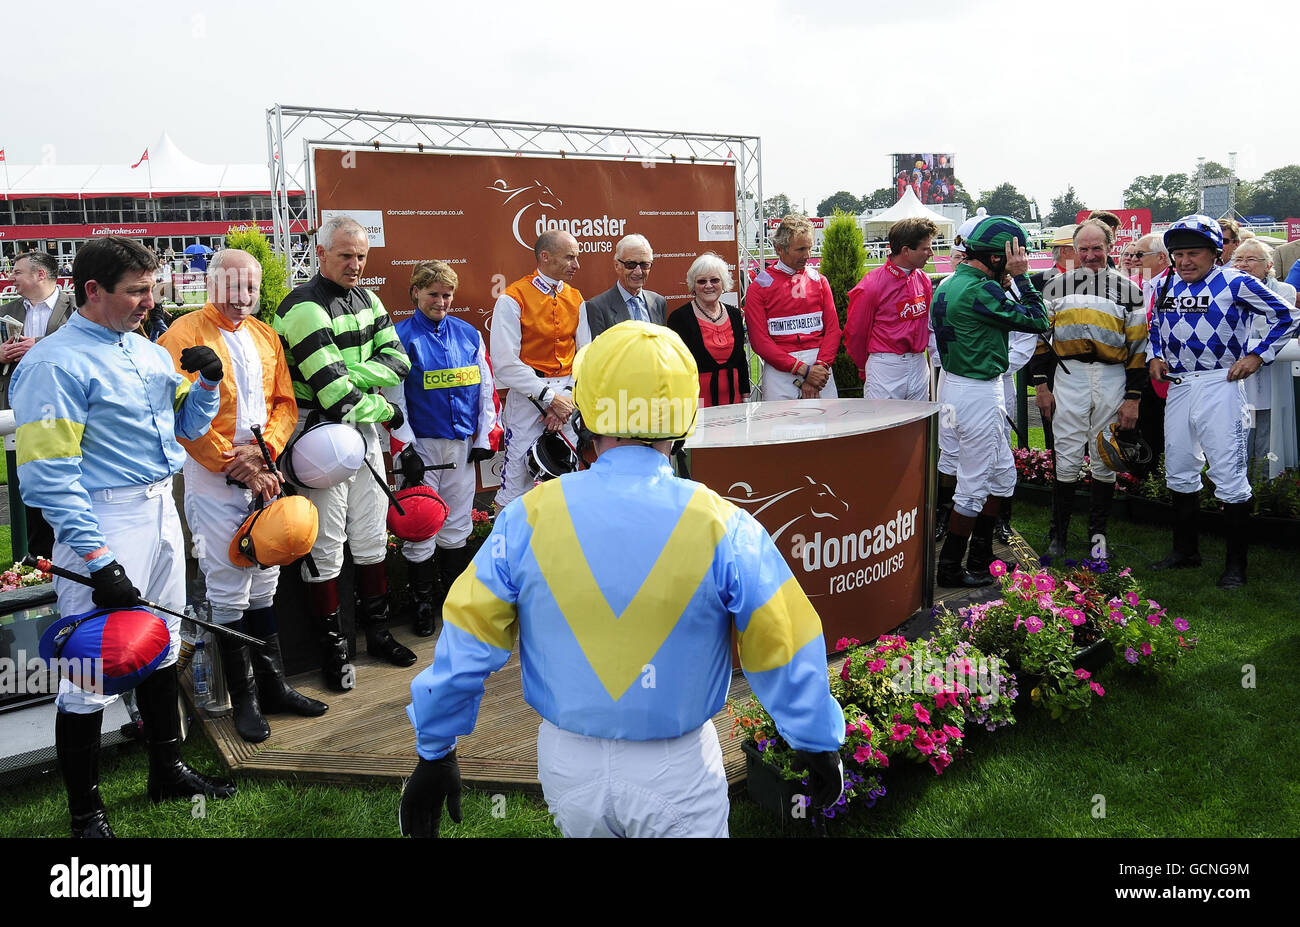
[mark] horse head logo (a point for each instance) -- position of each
(808, 499)
(530, 195)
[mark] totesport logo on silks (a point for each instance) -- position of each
(834, 548)
(537, 195)
(454, 376)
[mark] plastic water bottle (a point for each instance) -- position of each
(202, 674)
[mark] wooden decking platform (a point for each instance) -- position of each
(366, 736)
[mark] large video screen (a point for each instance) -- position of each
(929, 175)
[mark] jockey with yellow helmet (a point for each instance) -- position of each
(622, 584)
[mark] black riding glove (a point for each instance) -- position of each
(432, 783)
(112, 587)
(825, 776)
(202, 359)
(480, 453)
(411, 465)
(395, 422)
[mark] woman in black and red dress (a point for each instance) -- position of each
(714, 332)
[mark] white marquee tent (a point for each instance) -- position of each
(907, 207)
(167, 171)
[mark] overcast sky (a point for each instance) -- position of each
(1042, 95)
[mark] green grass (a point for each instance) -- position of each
(6, 547)
(1197, 755)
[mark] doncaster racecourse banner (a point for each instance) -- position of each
(482, 216)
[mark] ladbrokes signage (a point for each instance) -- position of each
(482, 216)
(847, 513)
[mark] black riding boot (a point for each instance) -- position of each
(1099, 502)
(943, 505)
(372, 586)
(334, 661)
(274, 693)
(981, 540)
(76, 740)
(1062, 508)
(1186, 552)
(1002, 529)
(245, 709)
(427, 594)
(950, 572)
(452, 562)
(1237, 516)
(169, 777)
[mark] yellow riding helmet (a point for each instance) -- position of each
(276, 535)
(637, 380)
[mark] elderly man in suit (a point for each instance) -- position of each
(41, 306)
(627, 299)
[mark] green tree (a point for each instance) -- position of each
(844, 261)
(962, 196)
(1276, 194)
(840, 201)
(1168, 196)
(881, 199)
(275, 267)
(1006, 200)
(1064, 208)
(777, 207)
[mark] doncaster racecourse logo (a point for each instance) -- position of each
(538, 195)
(809, 498)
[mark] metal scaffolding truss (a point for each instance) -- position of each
(294, 132)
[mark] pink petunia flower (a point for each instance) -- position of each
(1033, 624)
(1082, 674)
(998, 568)
(862, 755)
(1181, 624)
(844, 670)
(900, 732)
(876, 666)
(1045, 601)
(1153, 620)
(1097, 688)
(940, 762)
(944, 697)
(922, 714)
(954, 733)
(1044, 583)
(1146, 649)
(1071, 586)
(1131, 598)
(923, 742)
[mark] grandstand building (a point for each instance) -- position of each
(167, 200)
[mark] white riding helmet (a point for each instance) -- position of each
(324, 455)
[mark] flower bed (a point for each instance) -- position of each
(22, 577)
(915, 701)
(1276, 497)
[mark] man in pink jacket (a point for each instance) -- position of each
(791, 318)
(887, 328)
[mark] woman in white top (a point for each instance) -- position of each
(1269, 390)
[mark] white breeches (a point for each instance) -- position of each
(144, 534)
(897, 376)
(1206, 419)
(1087, 400)
(456, 487)
(214, 509)
(627, 788)
(778, 384)
(977, 414)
